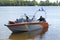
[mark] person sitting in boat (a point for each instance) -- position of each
(27, 18)
(19, 20)
(33, 18)
(42, 19)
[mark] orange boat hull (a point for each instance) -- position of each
(33, 25)
(44, 24)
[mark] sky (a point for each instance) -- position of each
(49, 0)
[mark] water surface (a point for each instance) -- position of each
(12, 13)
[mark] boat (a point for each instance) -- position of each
(26, 26)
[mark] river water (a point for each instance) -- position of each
(13, 12)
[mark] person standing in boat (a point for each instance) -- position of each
(42, 19)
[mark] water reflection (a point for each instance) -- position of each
(29, 35)
(43, 31)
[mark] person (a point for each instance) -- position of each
(33, 18)
(27, 18)
(42, 19)
(19, 20)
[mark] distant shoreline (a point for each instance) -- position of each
(28, 3)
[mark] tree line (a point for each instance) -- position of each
(27, 3)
